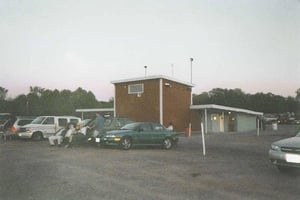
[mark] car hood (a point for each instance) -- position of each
(289, 142)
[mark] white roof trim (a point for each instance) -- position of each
(96, 110)
(153, 77)
(218, 107)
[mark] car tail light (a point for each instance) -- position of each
(13, 129)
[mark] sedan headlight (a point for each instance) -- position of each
(275, 147)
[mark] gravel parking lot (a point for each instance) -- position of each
(236, 167)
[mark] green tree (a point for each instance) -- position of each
(3, 93)
(298, 94)
(37, 90)
(202, 98)
(262, 102)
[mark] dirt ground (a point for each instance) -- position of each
(236, 166)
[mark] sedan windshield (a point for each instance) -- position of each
(132, 126)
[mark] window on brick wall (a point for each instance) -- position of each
(136, 89)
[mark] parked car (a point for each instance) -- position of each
(111, 123)
(45, 126)
(115, 123)
(285, 153)
(3, 119)
(86, 122)
(140, 133)
(19, 122)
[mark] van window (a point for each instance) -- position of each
(62, 122)
(23, 122)
(49, 120)
(74, 121)
(38, 120)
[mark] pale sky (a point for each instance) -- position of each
(253, 45)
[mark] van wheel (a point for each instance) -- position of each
(37, 136)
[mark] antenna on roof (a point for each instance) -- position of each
(191, 59)
(145, 70)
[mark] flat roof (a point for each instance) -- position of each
(151, 78)
(227, 108)
(96, 110)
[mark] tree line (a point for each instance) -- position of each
(261, 102)
(41, 101)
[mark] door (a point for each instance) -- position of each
(48, 127)
(158, 134)
(144, 134)
(215, 122)
(222, 128)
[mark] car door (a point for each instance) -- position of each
(158, 133)
(145, 133)
(48, 126)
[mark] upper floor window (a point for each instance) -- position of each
(136, 89)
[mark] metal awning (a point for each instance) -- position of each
(225, 108)
(95, 110)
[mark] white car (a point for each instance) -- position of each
(45, 126)
(19, 122)
(286, 153)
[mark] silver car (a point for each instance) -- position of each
(286, 153)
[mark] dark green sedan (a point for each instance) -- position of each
(140, 133)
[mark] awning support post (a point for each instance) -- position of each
(203, 140)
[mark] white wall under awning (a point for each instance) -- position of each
(233, 119)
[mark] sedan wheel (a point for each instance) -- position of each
(126, 143)
(167, 143)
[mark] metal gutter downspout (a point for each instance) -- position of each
(115, 102)
(205, 118)
(161, 101)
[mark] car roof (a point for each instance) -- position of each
(25, 117)
(144, 123)
(5, 114)
(57, 116)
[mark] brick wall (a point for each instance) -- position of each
(146, 107)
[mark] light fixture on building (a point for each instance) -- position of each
(168, 85)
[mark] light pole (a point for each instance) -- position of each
(145, 70)
(191, 59)
(190, 124)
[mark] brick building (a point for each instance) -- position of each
(154, 98)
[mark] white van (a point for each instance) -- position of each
(45, 126)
